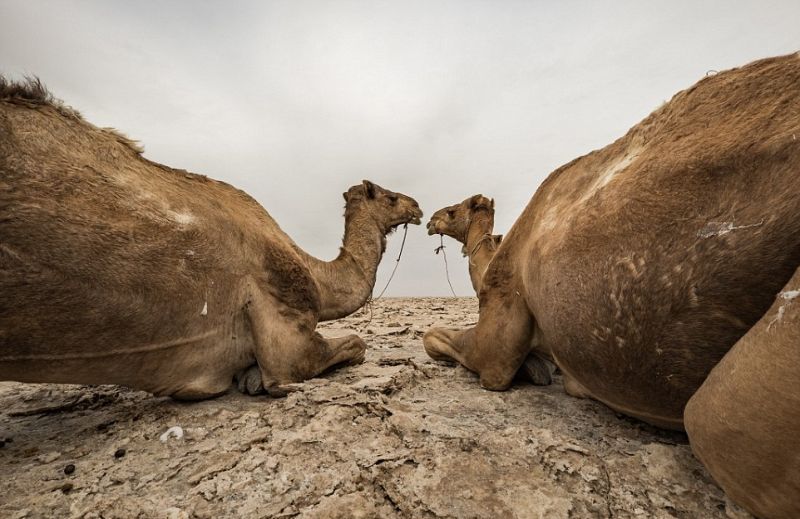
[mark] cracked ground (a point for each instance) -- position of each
(398, 436)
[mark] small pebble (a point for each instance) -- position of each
(119, 453)
(174, 431)
(69, 469)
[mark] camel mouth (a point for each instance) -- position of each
(413, 220)
(415, 217)
(432, 228)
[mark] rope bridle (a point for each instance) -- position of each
(372, 299)
(485, 237)
(439, 249)
(397, 263)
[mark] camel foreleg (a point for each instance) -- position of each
(495, 348)
(288, 350)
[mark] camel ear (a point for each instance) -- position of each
(491, 200)
(346, 198)
(369, 188)
(477, 201)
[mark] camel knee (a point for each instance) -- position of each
(496, 381)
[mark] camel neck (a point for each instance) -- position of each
(478, 246)
(346, 283)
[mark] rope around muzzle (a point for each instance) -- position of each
(439, 249)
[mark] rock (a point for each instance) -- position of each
(49, 457)
(175, 431)
(175, 513)
(195, 433)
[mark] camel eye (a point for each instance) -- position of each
(451, 213)
(392, 198)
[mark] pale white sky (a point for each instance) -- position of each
(295, 101)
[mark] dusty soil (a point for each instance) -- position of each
(398, 436)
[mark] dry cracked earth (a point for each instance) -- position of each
(398, 436)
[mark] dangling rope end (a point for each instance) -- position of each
(397, 264)
(439, 249)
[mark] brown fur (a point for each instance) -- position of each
(115, 269)
(744, 421)
(470, 223)
(638, 266)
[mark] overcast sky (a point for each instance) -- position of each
(295, 101)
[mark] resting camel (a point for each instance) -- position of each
(638, 266)
(471, 223)
(118, 270)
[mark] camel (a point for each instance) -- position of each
(638, 266)
(117, 270)
(471, 223)
(743, 422)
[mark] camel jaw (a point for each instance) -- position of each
(432, 228)
(415, 220)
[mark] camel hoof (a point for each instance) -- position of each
(538, 370)
(357, 359)
(359, 348)
(249, 381)
(436, 341)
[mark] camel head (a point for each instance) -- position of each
(387, 208)
(454, 220)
